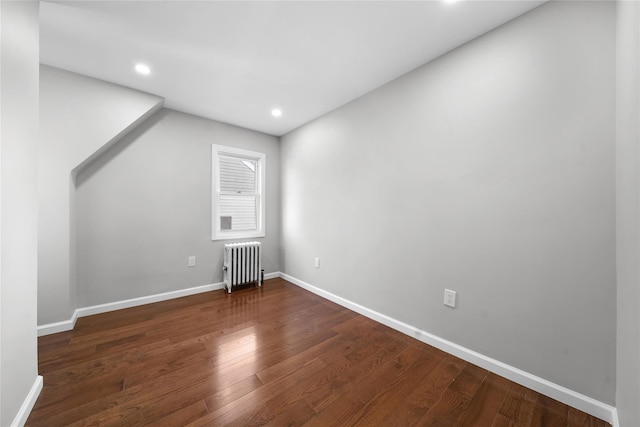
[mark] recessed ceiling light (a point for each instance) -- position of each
(143, 69)
(276, 112)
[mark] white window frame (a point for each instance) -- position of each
(261, 160)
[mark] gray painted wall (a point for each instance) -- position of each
(489, 171)
(628, 212)
(145, 206)
(79, 118)
(19, 52)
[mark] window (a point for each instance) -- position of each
(238, 193)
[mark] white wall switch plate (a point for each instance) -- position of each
(316, 263)
(449, 298)
(192, 261)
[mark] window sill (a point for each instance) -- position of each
(238, 235)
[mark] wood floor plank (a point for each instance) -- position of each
(549, 412)
(343, 377)
(283, 399)
(275, 355)
(224, 396)
(60, 398)
(519, 404)
(252, 404)
(456, 399)
(486, 402)
(132, 403)
(502, 421)
(446, 410)
(296, 414)
(389, 397)
(385, 376)
(427, 391)
(181, 404)
(335, 414)
(196, 361)
(180, 417)
(298, 360)
(80, 414)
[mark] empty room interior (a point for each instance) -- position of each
(320, 213)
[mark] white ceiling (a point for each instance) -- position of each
(234, 61)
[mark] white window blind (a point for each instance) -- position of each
(238, 182)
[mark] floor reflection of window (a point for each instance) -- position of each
(236, 359)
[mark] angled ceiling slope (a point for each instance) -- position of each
(236, 61)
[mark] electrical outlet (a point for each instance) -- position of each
(192, 261)
(449, 298)
(316, 263)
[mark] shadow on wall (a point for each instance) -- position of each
(81, 173)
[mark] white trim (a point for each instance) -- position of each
(579, 401)
(275, 275)
(615, 422)
(25, 410)
(134, 302)
(261, 193)
(54, 328)
(67, 325)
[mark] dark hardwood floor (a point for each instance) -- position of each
(276, 355)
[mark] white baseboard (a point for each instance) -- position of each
(22, 415)
(134, 302)
(54, 328)
(579, 401)
(615, 422)
(67, 325)
(275, 275)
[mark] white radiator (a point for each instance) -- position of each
(242, 264)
